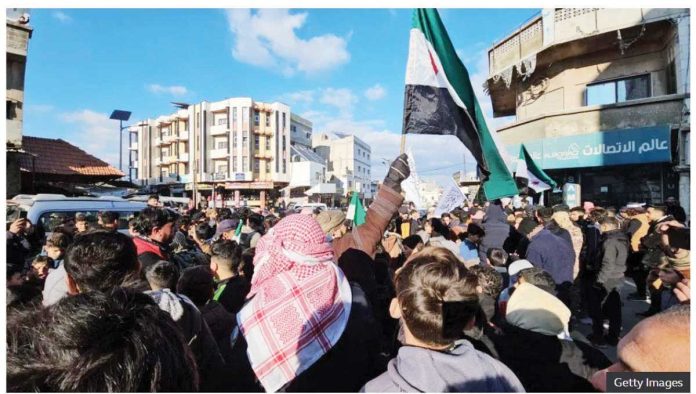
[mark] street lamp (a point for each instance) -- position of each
(120, 116)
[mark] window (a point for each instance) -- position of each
(256, 118)
(284, 168)
(234, 163)
(256, 165)
(618, 91)
(245, 141)
(245, 118)
(234, 139)
(283, 120)
(245, 163)
(221, 144)
(268, 144)
(293, 128)
(234, 118)
(283, 143)
(268, 167)
(256, 142)
(268, 120)
(222, 121)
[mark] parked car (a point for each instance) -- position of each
(47, 211)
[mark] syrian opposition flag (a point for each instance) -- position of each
(530, 175)
(356, 212)
(439, 99)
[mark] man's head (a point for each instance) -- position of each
(153, 201)
(415, 215)
(109, 220)
(80, 222)
(157, 224)
(539, 278)
(226, 259)
(15, 275)
(544, 215)
(412, 244)
(40, 266)
(659, 343)
(528, 227)
(597, 215)
(656, 212)
(489, 280)
(162, 275)
(100, 260)
(446, 218)
(204, 232)
(56, 245)
(432, 288)
(671, 201)
(497, 257)
(227, 228)
(577, 214)
(332, 223)
(118, 341)
(474, 233)
(609, 224)
(197, 283)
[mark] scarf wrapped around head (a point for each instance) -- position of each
(299, 302)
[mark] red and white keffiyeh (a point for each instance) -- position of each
(301, 302)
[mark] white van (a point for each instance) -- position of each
(313, 205)
(46, 211)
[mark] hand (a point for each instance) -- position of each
(398, 171)
(683, 292)
(17, 226)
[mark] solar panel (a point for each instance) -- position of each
(120, 115)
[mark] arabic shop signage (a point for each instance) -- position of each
(625, 146)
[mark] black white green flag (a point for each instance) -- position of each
(439, 99)
(530, 175)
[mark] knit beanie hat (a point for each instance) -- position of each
(329, 220)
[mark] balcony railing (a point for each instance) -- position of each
(183, 157)
(219, 129)
(219, 153)
(183, 136)
(168, 139)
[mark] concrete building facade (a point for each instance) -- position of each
(18, 34)
(600, 98)
(348, 162)
(235, 151)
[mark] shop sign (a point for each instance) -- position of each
(618, 147)
(571, 194)
(249, 185)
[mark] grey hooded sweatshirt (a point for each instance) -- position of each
(461, 369)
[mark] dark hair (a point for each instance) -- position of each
(247, 268)
(229, 254)
(152, 217)
(412, 241)
(578, 209)
(434, 282)
(475, 229)
(204, 231)
(13, 269)
(256, 222)
(498, 257)
(23, 296)
(60, 240)
(270, 221)
(109, 216)
(196, 283)
(153, 196)
(183, 221)
(597, 214)
(439, 228)
(119, 341)
(539, 278)
(79, 217)
(101, 260)
(613, 223)
(545, 213)
(43, 260)
(490, 280)
(224, 214)
(162, 275)
(445, 215)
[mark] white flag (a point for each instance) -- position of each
(410, 184)
(452, 198)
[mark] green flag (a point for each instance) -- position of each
(356, 212)
(439, 99)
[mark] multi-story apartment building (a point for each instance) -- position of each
(348, 161)
(238, 147)
(18, 34)
(601, 99)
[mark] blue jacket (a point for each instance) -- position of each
(552, 254)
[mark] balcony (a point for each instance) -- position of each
(169, 160)
(158, 162)
(168, 139)
(219, 129)
(183, 136)
(219, 154)
(258, 131)
(263, 155)
(133, 146)
(183, 157)
(157, 141)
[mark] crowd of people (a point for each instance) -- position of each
(486, 298)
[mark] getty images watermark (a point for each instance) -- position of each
(648, 382)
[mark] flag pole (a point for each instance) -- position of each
(403, 144)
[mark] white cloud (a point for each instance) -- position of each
(343, 99)
(62, 16)
(96, 134)
(301, 96)
(267, 38)
(375, 93)
(174, 90)
(39, 108)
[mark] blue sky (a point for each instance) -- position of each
(342, 69)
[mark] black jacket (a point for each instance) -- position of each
(232, 292)
(346, 367)
(545, 363)
(560, 232)
(221, 324)
(499, 233)
(614, 254)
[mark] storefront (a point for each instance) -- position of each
(612, 167)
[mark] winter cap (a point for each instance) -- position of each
(329, 220)
(534, 309)
(518, 266)
(226, 225)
